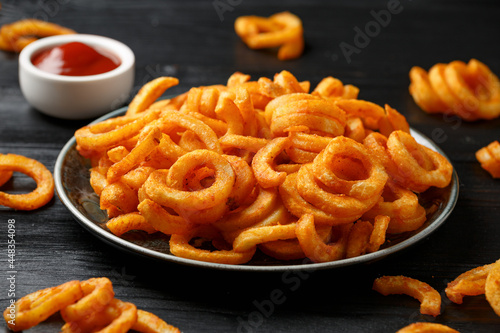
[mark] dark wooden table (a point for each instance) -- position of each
(195, 41)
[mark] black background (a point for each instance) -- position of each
(196, 43)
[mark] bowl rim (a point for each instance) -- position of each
(119, 49)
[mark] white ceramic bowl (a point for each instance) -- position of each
(76, 97)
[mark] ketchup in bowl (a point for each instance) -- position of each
(75, 59)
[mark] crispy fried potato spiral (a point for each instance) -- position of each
(470, 90)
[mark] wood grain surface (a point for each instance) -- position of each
(195, 41)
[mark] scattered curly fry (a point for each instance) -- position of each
(97, 293)
(36, 307)
(85, 306)
(492, 287)
(470, 91)
(489, 157)
(16, 36)
(283, 30)
(150, 323)
(427, 328)
(429, 298)
(116, 317)
(470, 283)
(34, 169)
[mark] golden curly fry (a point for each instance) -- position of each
(97, 294)
(249, 238)
(143, 148)
(489, 157)
(283, 30)
(401, 206)
(36, 307)
(16, 36)
(34, 169)
(127, 222)
(179, 246)
(169, 191)
(316, 247)
(116, 317)
(377, 237)
(149, 93)
(470, 283)
(427, 328)
(470, 91)
(150, 323)
(263, 163)
(107, 134)
(264, 203)
(359, 239)
(492, 287)
(332, 88)
(411, 159)
(429, 298)
(5, 177)
(86, 306)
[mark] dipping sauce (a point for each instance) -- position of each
(75, 59)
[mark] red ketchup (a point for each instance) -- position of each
(75, 59)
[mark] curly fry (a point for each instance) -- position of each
(138, 154)
(470, 91)
(5, 177)
(282, 30)
(429, 298)
(314, 246)
(489, 157)
(377, 237)
(34, 169)
(86, 306)
(263, 163)
(116, 317)
(150, 93)
(427, 328)
(359, 239)
(179, 246)
(34, 308)
(98, 292)
(15, 36)
(492, 287)
(127, 222)
(470, 283)
(106, 134)
(150, 323)
(248, 239)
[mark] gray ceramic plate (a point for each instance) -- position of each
(71, 175)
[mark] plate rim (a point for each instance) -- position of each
(128, 246)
